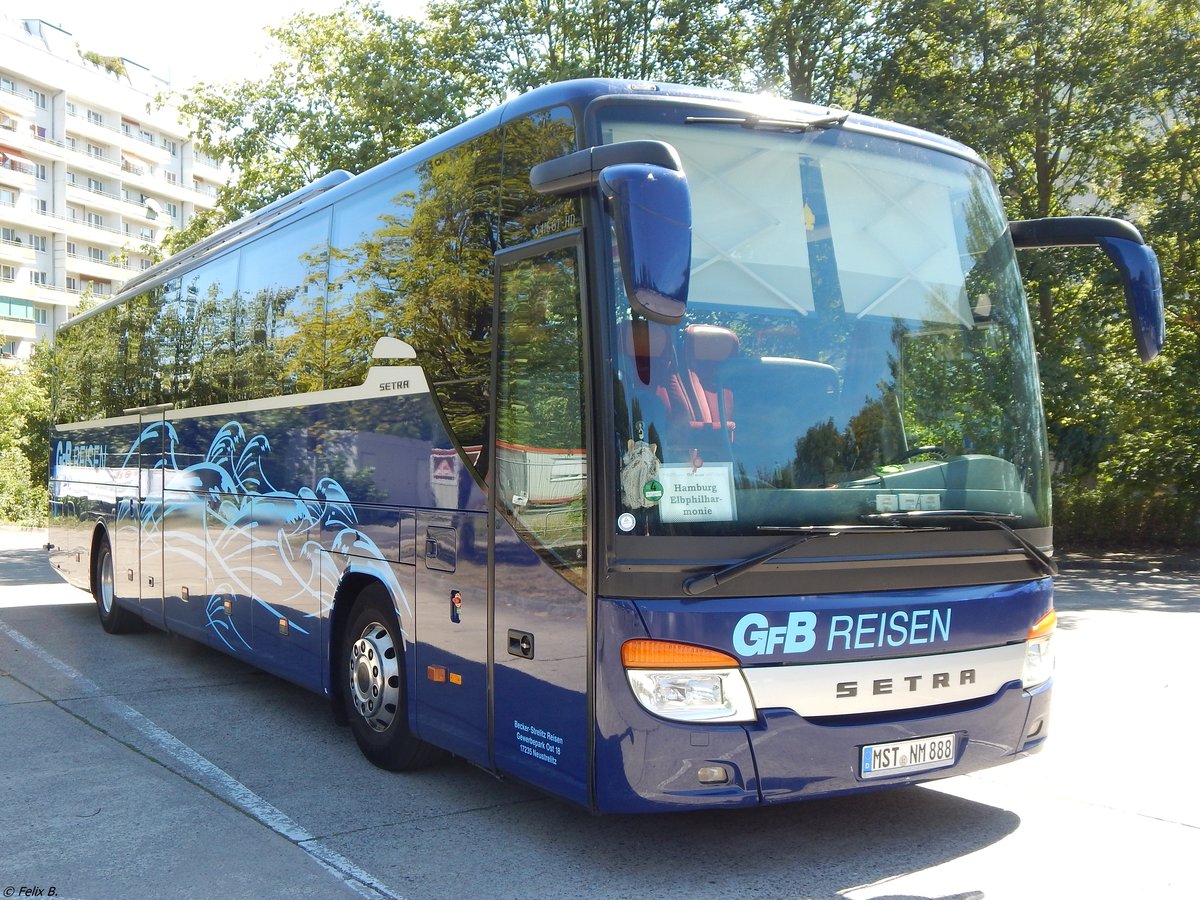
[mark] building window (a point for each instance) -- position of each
(95, 184)
(10, 349)
(72, 283)
(72, 248)
(38, 241)
(40, 172)
(95, 254)
(95, 219)
(9, 235)
(40, 206)
(41, 315)
(39, 99)
(96, 151)
(95, 118)
(8, 273)
(7, 197)
(172, 210)
(39, 278)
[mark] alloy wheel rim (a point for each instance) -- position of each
(374, 674)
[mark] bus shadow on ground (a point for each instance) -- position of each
(818, 849)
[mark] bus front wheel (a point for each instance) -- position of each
(371, 675)
(114, 617)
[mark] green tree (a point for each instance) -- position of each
(351, 88)
(497, 46)
(808, 49)
(24, 428)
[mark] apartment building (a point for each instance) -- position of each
(92, 174)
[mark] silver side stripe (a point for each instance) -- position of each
(380, 381)
(882, 685)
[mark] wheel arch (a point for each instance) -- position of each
(99, 534)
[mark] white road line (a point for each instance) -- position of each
(219, 781)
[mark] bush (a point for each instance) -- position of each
(1114, 517)
(21, 500)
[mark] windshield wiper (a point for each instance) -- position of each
(702, 584)
(992, 519)
(767, 123)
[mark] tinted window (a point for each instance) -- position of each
(279, 343)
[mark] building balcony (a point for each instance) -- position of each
(145, 146)
(94, 199)
(52, 295)
(18, 329)
(15, 172)
(88, 268)
(18, 252)
(14, 103)
(20, 213)
(80, 126)
(30, 140)
(85, 161)
(81, 229)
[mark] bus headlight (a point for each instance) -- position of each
(687, 683)
(1039, 652)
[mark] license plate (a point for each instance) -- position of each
(904, 757)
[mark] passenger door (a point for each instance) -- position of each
(147, 512)
(539, 520)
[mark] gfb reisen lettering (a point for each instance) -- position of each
(754, 635)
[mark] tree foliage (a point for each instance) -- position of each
(1078, 107)
(24, 427)
(350, 89)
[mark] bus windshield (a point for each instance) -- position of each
(856, 342)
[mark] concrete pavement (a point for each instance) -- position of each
(140, 812)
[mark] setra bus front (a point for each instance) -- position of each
(823, 479)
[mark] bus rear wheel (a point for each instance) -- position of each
(114, 617)
(372, 684)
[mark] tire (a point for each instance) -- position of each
(370, 676)
(114, 617)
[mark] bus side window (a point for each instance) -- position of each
(281, 286)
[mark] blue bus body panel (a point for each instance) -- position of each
(238, 524)
(846, 627)
(645, 763)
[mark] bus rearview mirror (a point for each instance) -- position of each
(1138, 266)
(651, 210)
(1136, 263)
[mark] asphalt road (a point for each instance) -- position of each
(148, 766)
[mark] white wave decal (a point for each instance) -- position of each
(233, 491)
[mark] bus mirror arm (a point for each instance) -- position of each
(1123, 243)
(581, 170)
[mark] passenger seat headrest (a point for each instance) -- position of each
(709, 343)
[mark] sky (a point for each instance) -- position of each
(209, 40)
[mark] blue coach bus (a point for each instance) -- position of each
(659, 447)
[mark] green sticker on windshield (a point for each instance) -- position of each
(652, 491)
